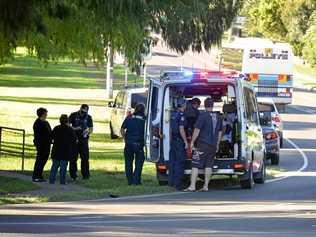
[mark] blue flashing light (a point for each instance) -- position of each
(187, 73)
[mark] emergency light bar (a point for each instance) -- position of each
(198, 76)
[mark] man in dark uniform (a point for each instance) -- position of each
(82, 123)
(132, 130)
(178, 145)
(42, 142)
(205, 141)
(191, 114)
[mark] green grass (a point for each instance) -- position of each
(10, 187)
(26, 71)
(308, 71)
(22, 83)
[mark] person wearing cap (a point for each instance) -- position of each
(132, 130)
(64, 141)
(82, 123)
(178, 145)
(42, 142)
(205, 142)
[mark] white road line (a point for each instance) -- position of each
(303, 167)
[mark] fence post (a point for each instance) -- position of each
(23, 150)
(0, 139)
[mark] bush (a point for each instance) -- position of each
(309, 49)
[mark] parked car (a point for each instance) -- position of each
(232, 95)
(123, 106)
(268, 105)
(271, 137)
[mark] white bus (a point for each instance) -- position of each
(268, 65)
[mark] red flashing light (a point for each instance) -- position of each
(203, 76)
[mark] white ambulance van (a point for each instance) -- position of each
(233, 95)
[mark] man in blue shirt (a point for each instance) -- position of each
(178, 145)
(205, 142)
(132, 130)
(82, 123)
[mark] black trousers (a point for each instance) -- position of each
(134, 151)
(82, 149)
(42, 155)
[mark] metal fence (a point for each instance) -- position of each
(12, 143)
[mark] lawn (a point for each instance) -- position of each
(26, 85)
(26, 71)
(310, 74)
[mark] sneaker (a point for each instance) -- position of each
(36, 180)
(43, 181)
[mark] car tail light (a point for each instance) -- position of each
(271, 135)
(162, 168)
(239, 166)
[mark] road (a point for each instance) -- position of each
(284, 206)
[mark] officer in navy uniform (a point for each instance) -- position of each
(132, 130)
(178, 145)
(82, 123)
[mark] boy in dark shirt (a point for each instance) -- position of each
(42, 142)
(64, 141)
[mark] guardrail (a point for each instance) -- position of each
(12, 147)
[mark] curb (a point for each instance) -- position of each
(304, 88)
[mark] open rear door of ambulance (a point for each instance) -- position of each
(153, 132)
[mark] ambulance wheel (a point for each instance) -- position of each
(112, 135)
(247, 182)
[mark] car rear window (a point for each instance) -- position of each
(266, 107)
(138, 98)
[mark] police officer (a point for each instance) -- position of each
(42, 142)
(82, 123)
(132, 131)
(178, 145)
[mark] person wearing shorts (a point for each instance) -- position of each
(205, 142)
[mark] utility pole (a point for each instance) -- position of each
(145, 75)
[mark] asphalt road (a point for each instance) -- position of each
(284, 206)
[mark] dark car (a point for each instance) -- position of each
(271, 137)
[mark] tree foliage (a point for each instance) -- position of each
(82, 29)
(284, 20)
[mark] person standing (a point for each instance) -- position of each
(42, 142)
(178, 145)
(205, 142)
(132, 130)
(192, 113)
(64, 141)
(82, 123)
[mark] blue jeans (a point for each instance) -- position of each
(62, 164)
(134, 151)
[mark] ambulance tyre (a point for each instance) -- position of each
(247, 180)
